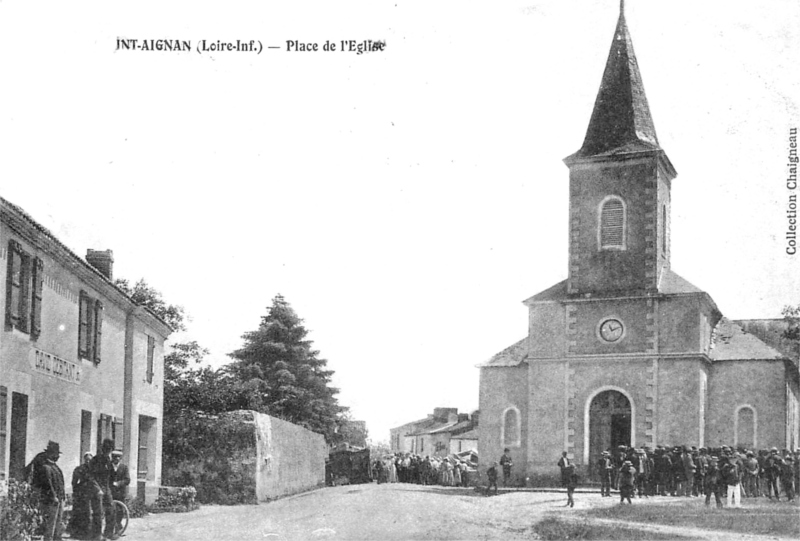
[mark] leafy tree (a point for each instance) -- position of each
(350, 431)
(144, 295)
(278, 362)
(202, 389)
(792, 316)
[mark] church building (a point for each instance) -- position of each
(625, 351)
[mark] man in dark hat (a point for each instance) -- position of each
(712, 483)
(101, 470)
(46, 478)
(506, 463)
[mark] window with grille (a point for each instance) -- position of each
(612, 223)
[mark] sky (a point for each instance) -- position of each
(403, 201)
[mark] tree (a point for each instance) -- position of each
(278, 362)
(351, 431)
(202, 389)
(792, 316)
(144, 295)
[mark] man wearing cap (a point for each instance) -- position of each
(563, 462)
(627, 475)
(606, 467)
(730, 476)
(701, 463)
(122, 478)
(787, 476)
(750, 478)
(772, 473)
(506, 463)
(102, 473)
(712, 483)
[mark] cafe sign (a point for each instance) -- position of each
(49, 364)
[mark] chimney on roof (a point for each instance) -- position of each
(443, 414)
(102, 260)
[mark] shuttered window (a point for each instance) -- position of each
(3, 432)
(151, 349)
(105, 430)
(36, 297)
(24, 279)
(612, 223)
(90, 328)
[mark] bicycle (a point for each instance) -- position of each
(123, 516)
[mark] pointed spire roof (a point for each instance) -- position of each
(621, 120)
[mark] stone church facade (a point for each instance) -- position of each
(625, 351)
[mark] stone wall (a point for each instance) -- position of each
(289, 458)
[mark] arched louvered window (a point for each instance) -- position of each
(611, 230)
(511, 427)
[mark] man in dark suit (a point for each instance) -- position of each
(102, 475)
(122, 477)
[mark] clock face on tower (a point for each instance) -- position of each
(611, 330)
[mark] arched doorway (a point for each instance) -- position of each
(609, 424)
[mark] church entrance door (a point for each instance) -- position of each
(609, 426)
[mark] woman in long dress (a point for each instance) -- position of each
(457, 474)
(392, 469)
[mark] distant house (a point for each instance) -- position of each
(438, 434)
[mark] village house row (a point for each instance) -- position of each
(79, 360)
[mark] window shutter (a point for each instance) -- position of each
(116, 433)
(102, 423)
(151, 346)
(98, 329)
(3, 433)
(13, 284)
(24, 321)
(36, 301)
(612, 224)
(83, 331)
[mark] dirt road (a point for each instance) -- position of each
(369, 512)
(380, 512)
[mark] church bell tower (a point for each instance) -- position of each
(619, 187)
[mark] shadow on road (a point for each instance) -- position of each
(452, 491)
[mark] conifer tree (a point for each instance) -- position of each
(278, 359)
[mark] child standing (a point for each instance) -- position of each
(627, 476)
(572, 482)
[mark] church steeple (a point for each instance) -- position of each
(620, 183)
(621, 120)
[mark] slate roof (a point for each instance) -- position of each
(12, 210)
(511, 356)
(621, 121)
(669, 284)
(770, 331)
(729, 342)
(470, 435)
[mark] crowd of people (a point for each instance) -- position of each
(448, 471)
(96, 482)
(691, 472)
